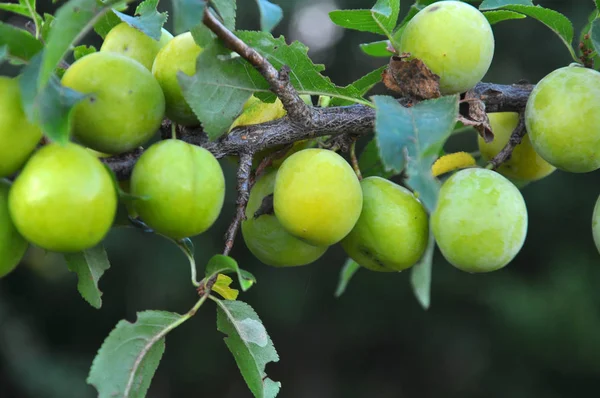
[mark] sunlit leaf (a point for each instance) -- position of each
(220, 264)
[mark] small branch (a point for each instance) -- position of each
(354, 160)
(296, 108)
(515, 139)
(243, 189)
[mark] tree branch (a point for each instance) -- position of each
(515, 139)
(243, 189)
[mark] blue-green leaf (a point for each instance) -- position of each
(220, 264)
(496, 16)
(250, 344)
(226, 9)
(412, 137)
(492, 4)
(380, 19)
(420, 276)
(595, 35)
(89, 266)
(270, 15)
(3, 54)
(377, 48)
(187, 14)
(346, 274)
(148, 19)
(129, 357)
(21, 44)
(370, 162)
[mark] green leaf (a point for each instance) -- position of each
(3, 55)
(250, 344)
(129, 357)
(595, 35)
(149, 20)
(202, 35)
(220, 264)
(226, 82)
(360, 87)
(380, 19)
(370, 163)
(377, 48)
(412, 137)
(420, 276)
(106, 22)
(346, 274)
(73, 20)
(187, 14)
(222, 286)
(597, 2)
(89, 266)
(270, 15)
(82, 51)
(492, 4)
(494, 17)
(20, 43)
(47, 26)
(226, 9)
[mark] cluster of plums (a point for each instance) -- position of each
(64, 199)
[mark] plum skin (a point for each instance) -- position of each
(317, 196)
(454, 40)
(392, 232)
(184, 187)
(12, 244)
(267, 239)
(480, 221)
(563, 119)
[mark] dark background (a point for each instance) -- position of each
(529, 330)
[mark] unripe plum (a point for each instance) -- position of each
(563, 119)
(64, 200)
(12, 244)
(454, 40)
(18, 137)
(480, 221)
(524, 164)
(267, 239)
(317, 196)
(130, 42)
(392, 231)
(184, 188)
(178, 55)
(125, 106)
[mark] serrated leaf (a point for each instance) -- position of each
(377, 48)
(348, 270)
(250, 344)
(89, 266)
(226, 82)
(20, 43)
(380, 19)
(412, 137)
(420, 276)
(73, 20)
(222, 286)
(106, 22)
(226, 10)
(82, 51)
(496, 16)
(149, 20)
(492, 4)
(270, 15)
(370, 163)
(187, 14)
(129, 357)
(220, 264)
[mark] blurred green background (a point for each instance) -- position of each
(529, 330)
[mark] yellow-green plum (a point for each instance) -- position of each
(12, 244)
(480, 221)
(392, 231)
(454, 40)
(125, 104)
(184, 186)
(524, 164)
(178, 55)
(130, 42)
(596, 224)
(64, 200)
(563, 119)
(18, 137)
(317, 196)
(267, 239)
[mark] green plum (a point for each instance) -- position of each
(64, 200)
(392, 231)
(454, 40)
(524, 164)
(317, 196)
(18, 137)
(184, 186)
(178, 55)
(12, 244)
(480, 221)
(267, 239)
(563, 119)
(130, 42)
(125, 106)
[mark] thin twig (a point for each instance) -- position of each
(515, 139)
(354, 160)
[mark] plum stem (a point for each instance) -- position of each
(515, 139)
